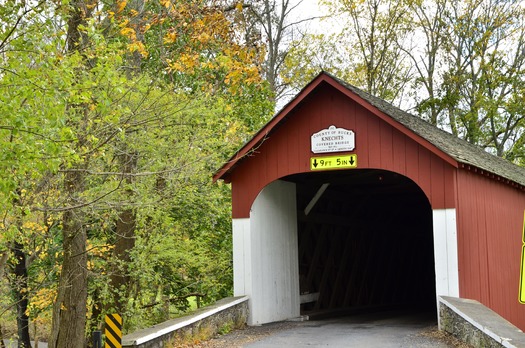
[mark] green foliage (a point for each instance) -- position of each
(226, 328)
(85, 111)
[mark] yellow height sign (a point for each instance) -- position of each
(522, 268)
(333, 162)
(113, 331)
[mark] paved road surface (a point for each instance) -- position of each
(370, 330)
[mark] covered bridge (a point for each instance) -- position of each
(344, 201)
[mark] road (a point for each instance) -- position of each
(389, 329)
(371, 330)
(378, 330)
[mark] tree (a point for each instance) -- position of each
(273, 23)
(19, 281)
(107, 113)
(193, 47)
(366, 52)
(429, 19)
(461, 61)
(28, 137)
(315, 53)
(472, 91)
(69, 311)
(484, 75)
(73, 136)
(374, 59)
(272, 28)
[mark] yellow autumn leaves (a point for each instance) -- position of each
(195, 39)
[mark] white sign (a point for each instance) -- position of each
(332, 139)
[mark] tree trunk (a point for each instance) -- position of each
(69, 310)
(2, 344)
(125, 241)
(120, 278)
(97, 322)
(19, 286)
(19, 281)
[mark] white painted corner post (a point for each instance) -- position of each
(446, 252)
(265, 255)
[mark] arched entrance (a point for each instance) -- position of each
(336, 241)
(365, 241)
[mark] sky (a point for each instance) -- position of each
(311, 8)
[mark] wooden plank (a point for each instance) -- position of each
(374, 143)
(321, 240)
(310, 297)
(342, 275)
(387, 145)
(399, 152)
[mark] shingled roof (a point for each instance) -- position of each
(458, 149)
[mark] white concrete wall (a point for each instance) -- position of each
(446, 252)
(265, 255)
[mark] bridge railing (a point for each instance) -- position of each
(225, 314)
(477, 325)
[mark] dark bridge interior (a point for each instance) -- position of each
(365, 242)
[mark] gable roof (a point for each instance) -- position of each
(450, 148)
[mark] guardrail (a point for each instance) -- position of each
(227, 313)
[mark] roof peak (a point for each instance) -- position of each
(447, 146)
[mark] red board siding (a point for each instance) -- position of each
(378, 145)
(490, 223)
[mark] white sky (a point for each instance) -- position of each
(311, 8)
